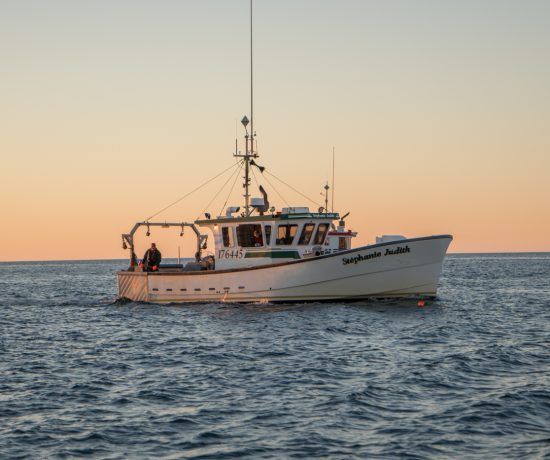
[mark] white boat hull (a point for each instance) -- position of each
(405, 268)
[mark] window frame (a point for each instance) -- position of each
(301, 240)
(250, 235)
(267, 234)
(342, 243)
(290, 227)
(230, 236)
(316, 240)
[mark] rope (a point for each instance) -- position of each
(219, 191)
(232, 187)
(276, 191)
(291, 187)
(192, 191)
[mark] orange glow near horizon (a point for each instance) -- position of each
(439, 114)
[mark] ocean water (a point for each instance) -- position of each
(466, 376)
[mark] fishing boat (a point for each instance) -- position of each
(290, 254)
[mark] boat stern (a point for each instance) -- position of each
(133, 286)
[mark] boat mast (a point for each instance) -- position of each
(252, 134)
(247, 156)
(249, 147)
(326, 196)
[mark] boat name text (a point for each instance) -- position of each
(373, 255)
(397, 250)
(360, 258)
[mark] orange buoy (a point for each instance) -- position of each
(421, 303)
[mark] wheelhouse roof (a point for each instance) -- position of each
(270, 218)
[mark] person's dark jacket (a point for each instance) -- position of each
(151, 258)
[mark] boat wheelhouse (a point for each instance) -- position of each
(292, 234)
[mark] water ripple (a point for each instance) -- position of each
(464, 377)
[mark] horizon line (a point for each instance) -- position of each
(126, 258)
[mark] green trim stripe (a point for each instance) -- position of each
(273, 254)
(269, 218)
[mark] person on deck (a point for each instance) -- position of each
(151, 259)
(257, 238)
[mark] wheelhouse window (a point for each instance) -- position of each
(267, 230)
(286, 234)
(227, 237)
(342, 244)
(321, 234)
(249, 235)
(307, 232)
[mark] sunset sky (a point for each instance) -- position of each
(439, 111)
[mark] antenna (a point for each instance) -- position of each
(252, 134)
(249, 152)
(332, 210)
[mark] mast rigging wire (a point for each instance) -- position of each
(232, 187)
(292, 188)
(255, 179)
(277, 191)
(192, 191)
(220, 190)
